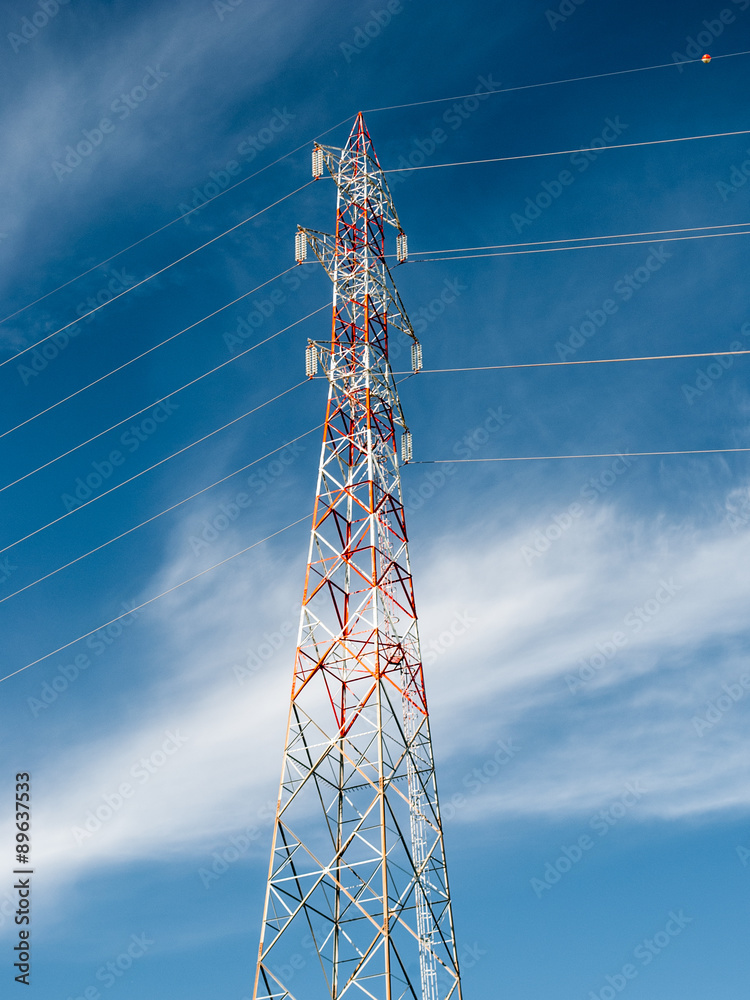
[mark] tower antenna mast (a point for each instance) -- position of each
(357, 902)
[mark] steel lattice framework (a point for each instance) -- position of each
(357, 903)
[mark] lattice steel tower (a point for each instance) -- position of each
(357, 903)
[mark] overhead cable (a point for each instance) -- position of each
(557, 364)
(156, 465)
(548, 458)
(144, 281)
(583, 246)
(552, 83)
(156, 402)
(578, 239)
(437, 100)
(151, 600)
(161, 513)
(564, 152)
(144, 353)
(161, 229)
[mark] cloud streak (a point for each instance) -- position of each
(530, 628)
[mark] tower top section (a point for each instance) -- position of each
(356, 257)
(357, 173)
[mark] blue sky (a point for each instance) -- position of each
(584, 622)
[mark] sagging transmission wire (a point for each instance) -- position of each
(155, 402)
(300, 520)
(583, 246)
(557, 364)
(162, 270)
(151, 600)
(161, 229)
(156, 465)
(280, 159)
(161, 513)
(579, 239)
(549, 458)
(553, 83)
(144, 353)
(565, 152)
(412, 104)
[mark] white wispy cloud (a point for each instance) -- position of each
(148, 134)
(600, 673)
(527, 627)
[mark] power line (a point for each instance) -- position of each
(556, 364)
(151, 600)
(552, 83)
(232, 187)
(547, 458)
(149, 351)
(564, 152)
(578, 239)
(138, 284)
(429, 166)
(306, 433)
(161, 400)
(154, 517)
(280, 159)
(154, 466)
(161, 229)
(584, 246)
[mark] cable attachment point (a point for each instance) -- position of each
(311, 359)
(416, 356)
(406, 447)
(300, 246)
(401, 248)
(317, 162)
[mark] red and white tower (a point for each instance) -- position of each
(357, 903)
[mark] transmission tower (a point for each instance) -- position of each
(357, 903)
